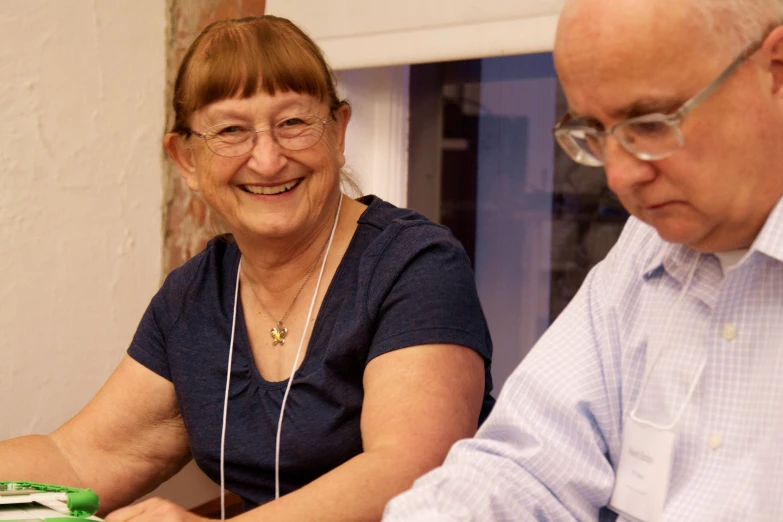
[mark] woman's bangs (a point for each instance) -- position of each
(232, 64)
(289, 66)
(225, 69)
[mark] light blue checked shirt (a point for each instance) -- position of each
(550, 448)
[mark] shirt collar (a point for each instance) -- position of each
(675, 259)
(770, 239)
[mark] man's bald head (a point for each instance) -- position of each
(731, 25)
(622, 59)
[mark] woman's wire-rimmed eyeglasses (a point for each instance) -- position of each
(231, 140)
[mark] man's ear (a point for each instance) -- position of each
(182, 154)
(773, 44)
(342, 116)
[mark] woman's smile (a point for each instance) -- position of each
(271, 190)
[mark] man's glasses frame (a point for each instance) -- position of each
(649, 137)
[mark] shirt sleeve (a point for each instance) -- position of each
(422, 291)
(545, 452)
(148, 346)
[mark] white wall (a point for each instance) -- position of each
(362, 33)
(81, 118)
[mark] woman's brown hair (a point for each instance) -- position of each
(239, 58)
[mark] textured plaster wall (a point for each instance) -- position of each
(81, 116)
(85, 195)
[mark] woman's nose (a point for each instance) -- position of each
(266, 156)
(624, 171)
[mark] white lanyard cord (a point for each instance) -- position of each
(299, 350)
(694, 381)
(290, 379)
(225, 402)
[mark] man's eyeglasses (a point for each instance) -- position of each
(650, 137)
(233, 140)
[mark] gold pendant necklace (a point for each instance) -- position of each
(279, 332)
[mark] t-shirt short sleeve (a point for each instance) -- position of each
(423, 292)
(148, 346)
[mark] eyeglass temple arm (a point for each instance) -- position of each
(693, 102)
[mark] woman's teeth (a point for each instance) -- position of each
(271, 191)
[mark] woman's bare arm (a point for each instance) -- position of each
(125, 442)
(418, 402)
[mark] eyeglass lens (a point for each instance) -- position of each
(293, 134)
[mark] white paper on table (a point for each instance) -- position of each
(32, 512)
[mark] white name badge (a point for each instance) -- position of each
(642, 478)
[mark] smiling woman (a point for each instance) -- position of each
(325, 345)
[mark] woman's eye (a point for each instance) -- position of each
(229, 130)
(292, 122)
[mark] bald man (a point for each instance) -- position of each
(657, 395)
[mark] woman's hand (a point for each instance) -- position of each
(154, 509)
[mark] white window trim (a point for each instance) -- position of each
(377, 140)
(440, 44)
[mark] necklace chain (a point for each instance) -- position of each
(301, 287)
(279, 332)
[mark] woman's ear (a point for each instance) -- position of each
(342, 115)
(183, 155)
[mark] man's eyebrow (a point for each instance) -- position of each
(587, 120)
(646, 106)
(640, 107)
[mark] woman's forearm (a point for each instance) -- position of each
(36, 458)
(358, 490)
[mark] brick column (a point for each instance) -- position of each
(187, 222)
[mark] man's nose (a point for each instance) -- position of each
(624, 171)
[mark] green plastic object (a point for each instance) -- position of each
(82, 503)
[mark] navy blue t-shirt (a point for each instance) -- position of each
(404, 281)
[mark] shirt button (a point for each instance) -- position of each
(715, 441)
(729, 332)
